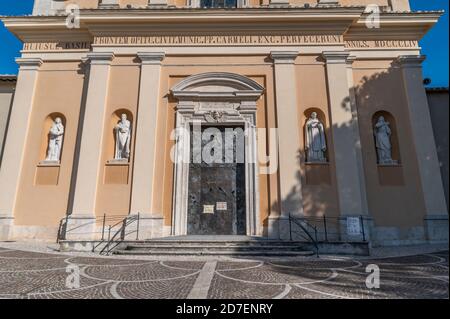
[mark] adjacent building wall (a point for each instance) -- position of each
(7, 85)
(438, 104)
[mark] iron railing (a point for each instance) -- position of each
(327, 229)
(308, 231)
(109, 225)
(114, 240)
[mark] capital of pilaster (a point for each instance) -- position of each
(102, 58)
(279, 3)
(108, 4)
(350, 60)
(336, 57)
(283, 57)
(157, 3)
(327, 3)
(410, 61)
(29, 63)
(151, 57)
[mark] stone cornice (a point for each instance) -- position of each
(192, 88)
(349, 22)
(406, 26)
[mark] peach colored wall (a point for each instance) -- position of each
(379, 87)
(59, 89)
(113, 198)
(6, 96)
(318, 200)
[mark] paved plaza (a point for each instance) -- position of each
(27, 274)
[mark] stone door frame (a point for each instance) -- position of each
(217, 98)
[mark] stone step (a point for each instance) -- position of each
(207, 252)
(133, 247)
(150, 244)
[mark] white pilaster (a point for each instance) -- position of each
(288, 142)
(422, 133)
(345, 135)
(83, 212)
(145, 145)
(16, 141)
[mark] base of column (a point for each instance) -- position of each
(365, 228)
(6, 227)
(279, 228)
(81, 228)
(150, 227)
(436, 227)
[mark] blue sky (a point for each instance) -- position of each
(435, 44)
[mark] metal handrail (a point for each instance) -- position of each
(122, 231)
(63, 223)
(305, 231)
(326, 227)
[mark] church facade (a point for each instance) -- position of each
(208, 117)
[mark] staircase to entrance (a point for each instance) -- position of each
(213, 246)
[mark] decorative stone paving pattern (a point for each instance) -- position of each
(224, 288)
(43, 275)
(167, 289)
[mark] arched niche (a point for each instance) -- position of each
(394, 134)
(48, 122)
(111, 140)
(323, 119)
(316, 173)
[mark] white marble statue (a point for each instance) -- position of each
(316, 144)
(123, 138)
(383, 144)
(55, 141)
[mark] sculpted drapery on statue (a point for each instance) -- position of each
(383, 144)
(123, 138)
(55, 141)
(315, 145)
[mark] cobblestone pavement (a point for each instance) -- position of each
(25, 274)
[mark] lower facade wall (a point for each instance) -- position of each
(395, 203)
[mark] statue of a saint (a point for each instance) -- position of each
(55, 141)
(316, 144)
(383, 144)
(123, 138)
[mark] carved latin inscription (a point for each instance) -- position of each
(219, 40)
